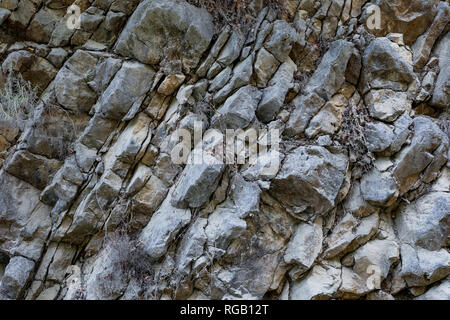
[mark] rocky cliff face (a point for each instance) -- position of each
(92, 205)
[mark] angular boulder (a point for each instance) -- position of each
(164, 225)
(71, 88)
(428, 150)
(17, 274)
(409, 17)
(378, 188)
(281, 40)
(130, 84)
(330, 74)
(326, 81)
(387, 105)
(424, 44)
(305, 246)
(425, 222)
(238, 111)
(159, 28)
(441, 92)
(274, 96)
(319, 284)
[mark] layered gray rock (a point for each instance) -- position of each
(387, 105)
(421, 267)
(130, 84)
(428, 150)
(319, 284)
(425, 223)
(281, 40)
(274, 96)
(238, 111)
(305, 246)
(350, 202)
(439, 292)
(424, 44)
(323, 85)
(265, 67)
(379, 188)
(163, 227)
(408, 17)
(71, 88)
(330, 74)
(351, 233)
(441, 91)
(197, 182)
(17, 274)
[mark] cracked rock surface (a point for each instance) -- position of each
(92, 205)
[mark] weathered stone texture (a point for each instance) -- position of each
(350, 201)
